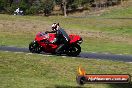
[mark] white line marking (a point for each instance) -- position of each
(73, 57)
(129, 62)
(106, 53)
(48, 55)
(45, 55)
(63, 56)
(28, 53)
(119, 54)
(6, 51)
(18, 52)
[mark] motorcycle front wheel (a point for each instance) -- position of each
(34, 47)
(74, 50)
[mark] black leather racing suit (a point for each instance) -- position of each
(61, 39)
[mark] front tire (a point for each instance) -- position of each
(34, 47)
(74, 50)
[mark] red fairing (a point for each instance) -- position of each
(74, 38)
(44, 40)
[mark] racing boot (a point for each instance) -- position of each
(59, 50)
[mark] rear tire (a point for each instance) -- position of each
(74, 50)
(34, 47)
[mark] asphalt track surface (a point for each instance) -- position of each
(124, 58)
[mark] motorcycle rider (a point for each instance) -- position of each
(60, 38)
(55, 29)
(18, 12)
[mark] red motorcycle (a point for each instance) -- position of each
(42, 43)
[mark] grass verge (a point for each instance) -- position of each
(21, 70)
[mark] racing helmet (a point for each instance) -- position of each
(54, 26)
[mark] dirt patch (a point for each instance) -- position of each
(23, 26)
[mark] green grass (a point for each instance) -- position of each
(19, 40)
(37, 71)
(105, 46)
